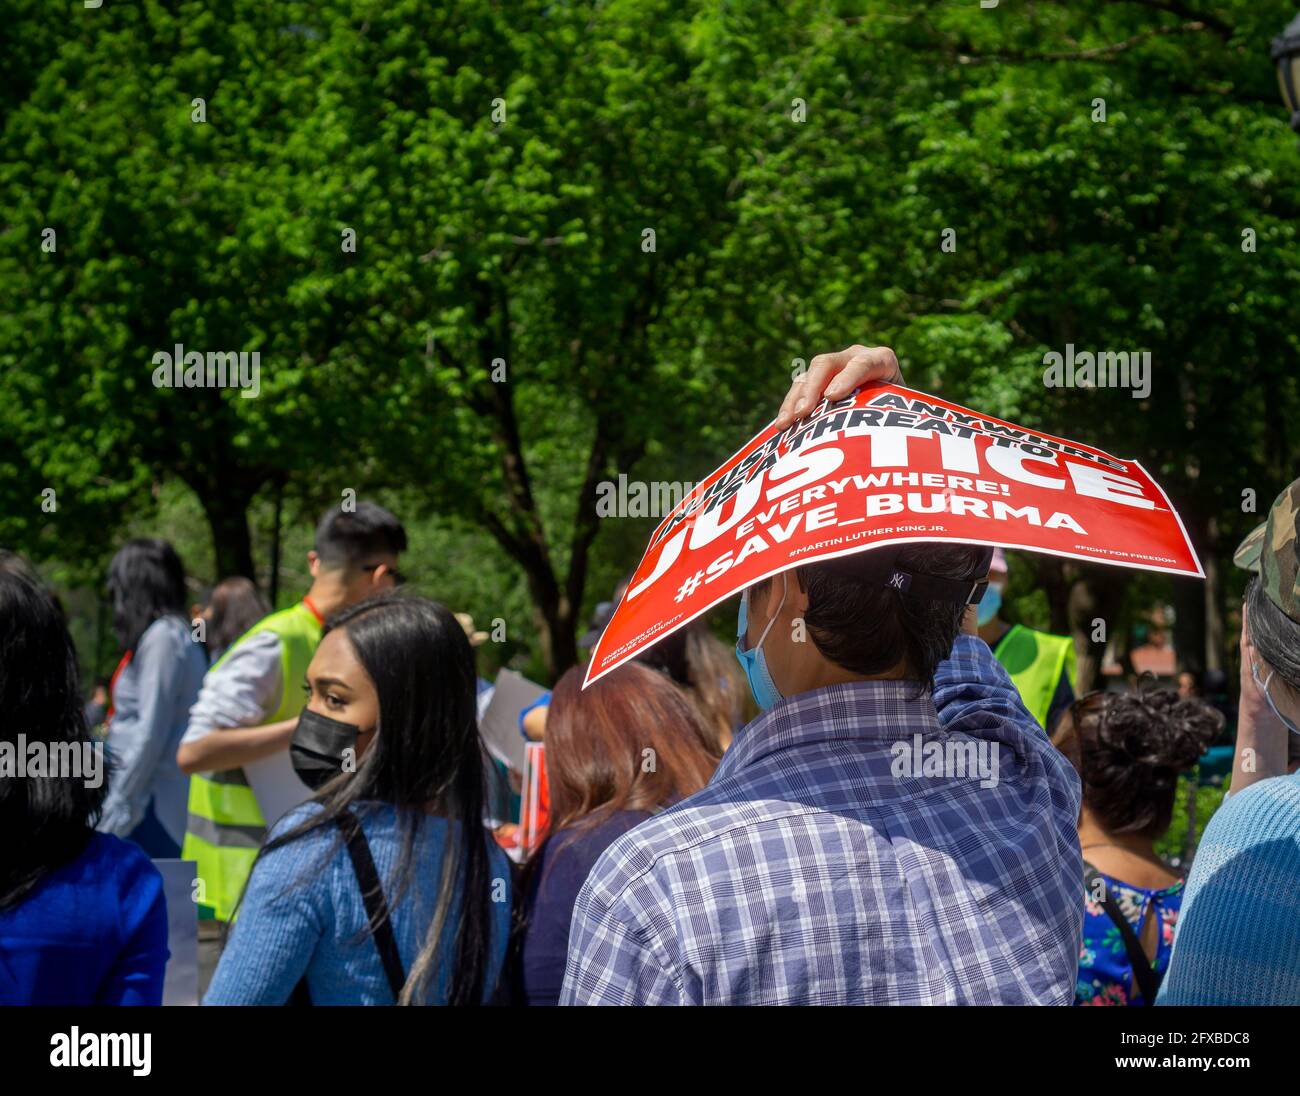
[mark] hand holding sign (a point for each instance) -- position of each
(835, 376)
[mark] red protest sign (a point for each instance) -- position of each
(888, 465)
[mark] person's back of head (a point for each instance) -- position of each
(146, 581)
(862, 623)
(1130, 749)
(359, 547)
(887, 612)
(236, 605)
(1272, 554)
(1276, 638)
(632, 741)
(46, 819)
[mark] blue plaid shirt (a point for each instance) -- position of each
(838, 857)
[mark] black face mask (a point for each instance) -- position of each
(318, 748)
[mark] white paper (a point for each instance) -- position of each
(500, 723)
(181, 980)
(276, 786)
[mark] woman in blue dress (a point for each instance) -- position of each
(1130, 750)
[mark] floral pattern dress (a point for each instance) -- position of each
(1105, 973)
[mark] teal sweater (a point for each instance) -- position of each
(1238, 937)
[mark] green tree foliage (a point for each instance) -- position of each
(431, 221)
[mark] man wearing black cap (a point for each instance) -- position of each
(894, 828)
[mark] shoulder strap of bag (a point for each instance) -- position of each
(1146, 978)
(372, 894)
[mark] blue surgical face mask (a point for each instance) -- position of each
(990, 603)
(1263, 688)
(752, 661)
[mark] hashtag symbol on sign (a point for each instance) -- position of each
(689, 587)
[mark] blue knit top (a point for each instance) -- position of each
(1238, 936)
(303, 915)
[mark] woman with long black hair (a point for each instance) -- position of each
(82, 915)
(384, 887)
(156, 684)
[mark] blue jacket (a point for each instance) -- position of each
(303, 915)
(92, 932)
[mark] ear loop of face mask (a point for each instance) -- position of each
(1268, 699)
(785, 591)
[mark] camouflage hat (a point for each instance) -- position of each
(1270, 551)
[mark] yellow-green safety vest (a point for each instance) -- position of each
(225, 827)
(1034, 661)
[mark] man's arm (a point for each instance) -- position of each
(1261, 736)
(973, 694)
(971, 688)
(226, 727)
(234, 747)
(970, 685)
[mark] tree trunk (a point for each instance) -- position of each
(559, 638)
(1214, 625)
(1189, 624)
(1190, 600)
(1053, 580)
(226, 509)
(274, 583)
(1096, 597)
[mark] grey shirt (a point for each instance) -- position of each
(243, 691)
(151, 704)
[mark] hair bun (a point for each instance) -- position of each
(1158, 730)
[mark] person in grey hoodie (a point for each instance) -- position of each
(155, 685)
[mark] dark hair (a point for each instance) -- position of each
(427, 752)
(11, 563)
(596, 741)
(46, 820)
(1130, 749)
(237, 605)
(865, 627)
(706, 669)
(346, 538)
(1275, 635)
(146, 580)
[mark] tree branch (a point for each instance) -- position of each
(1094, 53)
(1173, 7)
